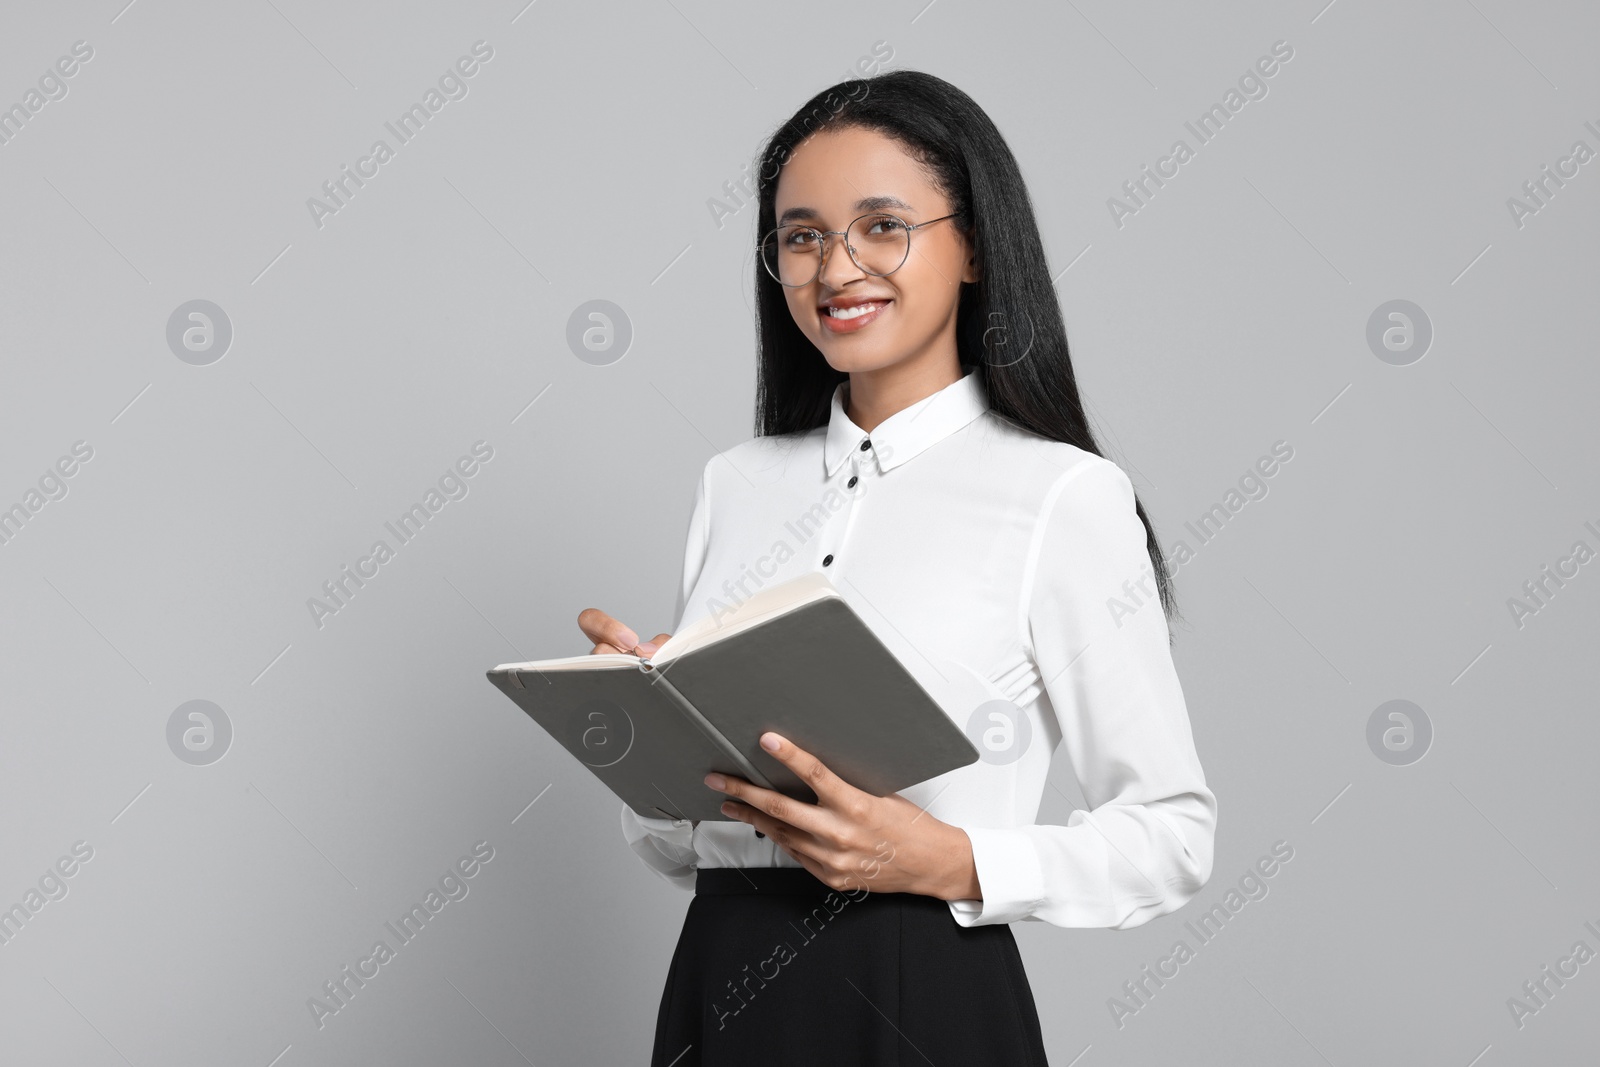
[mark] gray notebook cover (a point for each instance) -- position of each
(818, 675)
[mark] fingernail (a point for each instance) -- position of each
(715, 780)
(770, 742)
(629, 638)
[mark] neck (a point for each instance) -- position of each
(873, 395)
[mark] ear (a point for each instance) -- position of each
(973, 271)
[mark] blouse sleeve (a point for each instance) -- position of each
(1093, 622)
(667, 845)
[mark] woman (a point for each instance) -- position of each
(921, 441)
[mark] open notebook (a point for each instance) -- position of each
(794, 658)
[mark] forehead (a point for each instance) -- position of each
(833, 171)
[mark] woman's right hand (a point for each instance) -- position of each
(610, 635)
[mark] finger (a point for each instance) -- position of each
(808, 817)
(831, 790)
(785, 835)
(608, 634)
(651, 646)
(807, 850)
(830, 877)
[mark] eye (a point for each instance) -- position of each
(800, 239)
(884, 226)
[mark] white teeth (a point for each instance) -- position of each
(853, 312)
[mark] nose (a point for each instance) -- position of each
(837, 266)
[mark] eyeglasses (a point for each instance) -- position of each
(877, 243)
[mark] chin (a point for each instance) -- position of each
(857, 362)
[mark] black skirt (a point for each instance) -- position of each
(773, 968)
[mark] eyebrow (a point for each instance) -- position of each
(871, 203)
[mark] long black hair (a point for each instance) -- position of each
(1012, 306)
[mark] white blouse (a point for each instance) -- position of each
(1009, 573)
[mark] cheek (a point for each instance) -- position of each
(926, 293)
(800, 309)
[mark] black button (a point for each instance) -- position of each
(851, 483)
(866, 444)
(827, 559)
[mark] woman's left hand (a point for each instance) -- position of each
(851, 839)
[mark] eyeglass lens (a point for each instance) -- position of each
(877, 243)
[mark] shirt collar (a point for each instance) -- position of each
(908, 431)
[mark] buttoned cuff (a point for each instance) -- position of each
(665, 845)
(1010, 877)
(666, 834)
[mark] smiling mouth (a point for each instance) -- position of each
(856, 311)
(856, 317)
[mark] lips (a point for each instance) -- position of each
(848, 315)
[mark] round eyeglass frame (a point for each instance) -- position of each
(822, 252)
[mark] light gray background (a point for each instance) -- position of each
(431, 312)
